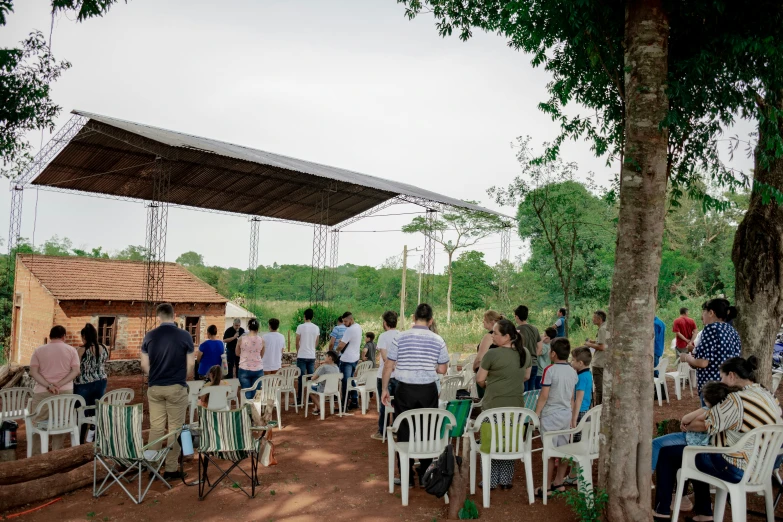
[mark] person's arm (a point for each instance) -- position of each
(68, 378)
(298, 343)
(35, 373)
(539, 346)
(542, 398)
(238, 349)
(341, 346)
(694, 421)
(263, 348)
(442, 368)
(481, 377)
(694, 362)
(388, 368)
(578, 398)
(80, 350)
(230, 337)
(486, 342)
(199, 354)
(145, 363)
(527, 373)
(365, 354)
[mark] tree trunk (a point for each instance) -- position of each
(567, 304)
(448, 294)
(627, 419)
(758, 262)
(44, 488)
(45, 464)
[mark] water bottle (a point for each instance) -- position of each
(187, 441)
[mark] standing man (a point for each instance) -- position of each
(230, 338)
(599, 357)
(416, 357)
(53, 366)
(560, 322)
(388, 336)
(349, 348)
(684, 329)
(167, 358)
(307, 335)
(337, 334)
(274, 345)
(660, 341)
(531, 340)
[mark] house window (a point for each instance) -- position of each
(192, 326)
(106, 330)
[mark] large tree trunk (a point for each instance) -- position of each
(567, 304)
(448, 294)
(758, 262)
(47, 487)
(627, 421)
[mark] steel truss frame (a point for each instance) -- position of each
(318, 267)
(252, 265)
(157, 224)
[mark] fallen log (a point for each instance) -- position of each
(48, 487)
(45, 464)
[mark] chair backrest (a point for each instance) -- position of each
(776, 376)
(590, 428)
(761, 448)
(270, 387)
(684, 369)
(363, 366)
(511, 429)
(13, 401)
(62, 411)
(661, 368)
(289, 374)
(225, 431)
(449, 387)
(531, 399)
(234, 383)
(468, 361)
(370, 376)
(425, 426)
(217, 396)
(118, 432)
(332, 382)
(194, 387)
(120, 396)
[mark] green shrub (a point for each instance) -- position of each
(469, 511)
(588, 506)
(324, 317)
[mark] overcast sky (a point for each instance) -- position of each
(349, 83)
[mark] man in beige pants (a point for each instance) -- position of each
(53, 367)
(167, 358)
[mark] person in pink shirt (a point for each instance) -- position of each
(53, 366)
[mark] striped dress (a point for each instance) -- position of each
(738, 414)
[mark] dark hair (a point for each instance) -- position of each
(252, 325)
(340, 319)
(715, 392)
(274, 324)
(506, 327)
(346, 315)
(212, 329)
(601, 314)
(370, 335)
(164, 309)
(563, 312)
(683, 311)
(742, 368)
(90, 335)
(334, 356)
(308, 314)
(582, 354)
(521, 312)
(390, 318)
(215, 375)
(551, 333)
(57, 332)
(423, 312)
(721, 308)
(562, 348)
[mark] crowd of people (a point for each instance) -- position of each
(512, 358)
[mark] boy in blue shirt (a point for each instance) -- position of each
(583, 393)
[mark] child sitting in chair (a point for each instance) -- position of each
(215, 376)
(329, 366)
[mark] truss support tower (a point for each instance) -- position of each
(157, 221)
(252, 265)
(428, 282)
(320, 250)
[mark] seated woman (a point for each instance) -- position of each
(215, 376)
(329, 366)
(751, 407)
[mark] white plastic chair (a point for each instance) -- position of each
(359, 379)
(449, 387)
(429, 436)
(663, 364)
(512, 439)
(63, 419)
(193, 388)
(365, 385)
(761, 446)
(269, 391)
(583, 452)
(120, 397)
(232, 395)
(389, 415)
(332, 384)
(14, 402)
(679, 377)
(363, 366)
(217, 397)
(290, 377)
(776, 375)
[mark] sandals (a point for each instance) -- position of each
(316, 412)
(552, 489)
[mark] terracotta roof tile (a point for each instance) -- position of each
(84, 278)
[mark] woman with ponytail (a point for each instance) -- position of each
(250, 351)
(503, 373)
(486, 344)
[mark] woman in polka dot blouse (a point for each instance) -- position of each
(719, 341)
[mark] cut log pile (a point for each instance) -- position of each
(11, 375)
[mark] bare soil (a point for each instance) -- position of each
(329, 469)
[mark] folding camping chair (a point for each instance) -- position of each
(226, 435)
(118, 445)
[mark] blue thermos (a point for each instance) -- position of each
(187, 441)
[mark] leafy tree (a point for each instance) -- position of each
(97, 253)
(57, 247)
(132, 253)
(469, 226)
(191, 259)
(473, 281)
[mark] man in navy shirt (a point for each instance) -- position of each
(167, 358)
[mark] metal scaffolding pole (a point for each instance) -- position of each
(252, 265)
(157, 221)
(505, 258)
(505, 244)
(334, 252)
(320, 250)
(428, 285)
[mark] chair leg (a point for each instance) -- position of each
(738, 506)
(473, 463)
(486, 478)
(666, 391)
(545, 484)
(279, 420)
(404, 477)
(677, 388)
(529, 479)
(323, 406)
(769, 503)
(44, 442)
(390, 452)
(296, 400)
(30, 438)
(678, 497)
(720, 504)
(658, 393)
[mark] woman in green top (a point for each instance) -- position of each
(503, 373)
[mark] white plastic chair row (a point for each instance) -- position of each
(683, 374)
(14, 403)
(63, 420)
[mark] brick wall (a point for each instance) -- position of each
(33, 319)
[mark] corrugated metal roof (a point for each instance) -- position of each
(216, 175)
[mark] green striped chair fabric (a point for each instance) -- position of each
(118, 434)
(531, 398)
(227, 434)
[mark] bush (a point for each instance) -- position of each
(588, 506)
(324, 317)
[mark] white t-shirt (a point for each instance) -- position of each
(353, 339)
(273, 353)
(308, 339)
(384, 342)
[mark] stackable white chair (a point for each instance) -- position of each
(449, 387)
(680, 377)
(193, 388)
(14, 402)
(271, 386)
(217, 397)
(332, 384)
(63, 419)
(365, 385)
(290, 375)
(119, 397)
(663, 364)
(363, 367)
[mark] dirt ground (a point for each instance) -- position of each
(326, 469)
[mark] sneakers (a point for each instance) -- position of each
(376, 436)
(398, 482)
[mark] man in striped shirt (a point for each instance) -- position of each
(416, 357)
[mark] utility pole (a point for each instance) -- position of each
(403, 289)
(421, 266)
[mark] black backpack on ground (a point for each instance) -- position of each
(437, 479)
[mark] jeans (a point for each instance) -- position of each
(598, 382)
(382, 411)
(233, 363)
(669, 462)
(656, 360)
(247, 378)
(672, 439)
(530, 384)
(347, 370)
(538, 381)
(91, 392)
(411, 397)
(168, 405)
(306, 367)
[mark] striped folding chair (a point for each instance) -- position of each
(226, 435)
(120, 449)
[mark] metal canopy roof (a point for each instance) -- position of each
(116, 157)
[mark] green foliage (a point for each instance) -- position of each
(468, 511)
(588, 506)
(132, 253)
(324, 317)
(473, 281)
(191, 259)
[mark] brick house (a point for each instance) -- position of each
(73, 291)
